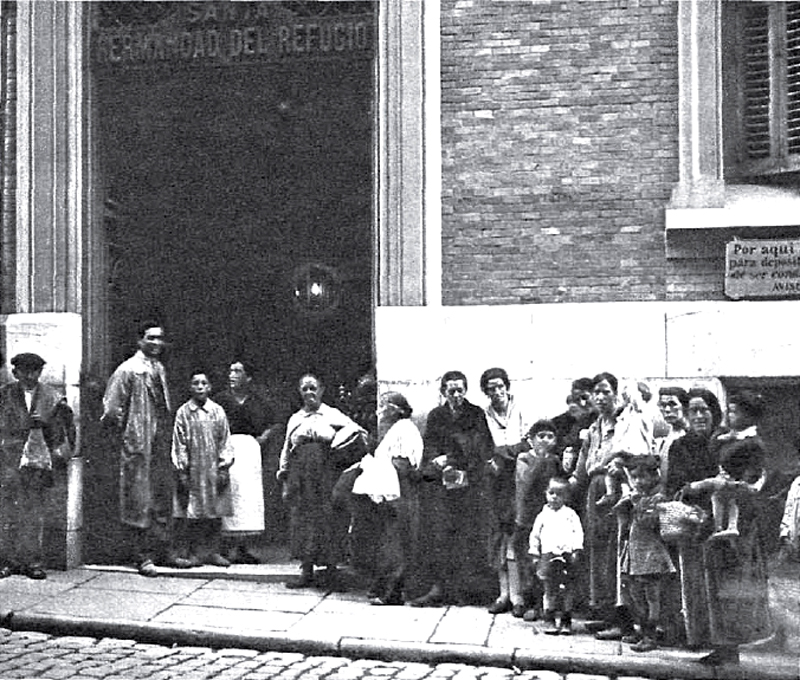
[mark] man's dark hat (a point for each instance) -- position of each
(28, 361)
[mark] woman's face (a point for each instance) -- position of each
(604, 397)
(388, 414)
(311, 392)
(498, 394)
(454, 391)
(701, 420)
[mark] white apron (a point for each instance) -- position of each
(246, 489)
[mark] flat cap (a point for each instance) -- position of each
(28, 361)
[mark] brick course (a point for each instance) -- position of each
(560, 133)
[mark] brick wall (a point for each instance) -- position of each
(559, 132)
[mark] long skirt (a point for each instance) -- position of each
(724, 591)
(317, 529)
(601, 539)
(454, 547)
(246, 489)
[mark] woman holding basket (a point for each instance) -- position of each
(710, 568)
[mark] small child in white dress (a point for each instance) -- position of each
(555, 545)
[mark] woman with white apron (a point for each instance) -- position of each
(250, 419)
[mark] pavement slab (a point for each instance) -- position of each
(96, 605)
(464, 625)
(252, 621)
(255, 612)
(264, 601)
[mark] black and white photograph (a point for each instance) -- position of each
(403, 339)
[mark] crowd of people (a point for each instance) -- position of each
(640, 512)
(637, 512)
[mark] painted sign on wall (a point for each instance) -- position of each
(762, 268)
(223, 33)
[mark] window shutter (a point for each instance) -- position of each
(756, 85)
(793, 77)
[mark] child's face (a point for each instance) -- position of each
(643, 481)
(543, 442)
(556, 496)
(199, 387)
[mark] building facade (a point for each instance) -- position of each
(557, 188)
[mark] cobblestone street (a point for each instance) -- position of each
(36, 656)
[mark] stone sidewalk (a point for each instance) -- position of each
(248, 607)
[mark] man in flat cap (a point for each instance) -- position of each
(35, 420)
(136, 404)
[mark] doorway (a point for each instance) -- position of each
(238, 194)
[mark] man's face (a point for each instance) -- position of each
(580, 403)
(604, 397)
(200, 387)
(28, 377)
(671, 409)
(237, 378)
(498, 394)
(152, 342)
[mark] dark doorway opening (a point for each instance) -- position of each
(231, 187)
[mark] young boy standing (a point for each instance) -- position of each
(555, 545)
(201, 457)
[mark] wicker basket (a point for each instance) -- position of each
(679, 521)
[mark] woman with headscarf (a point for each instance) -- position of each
(389, 479)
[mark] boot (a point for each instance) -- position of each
(306, 579)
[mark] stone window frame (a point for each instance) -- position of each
(703, 201)
(761, 89)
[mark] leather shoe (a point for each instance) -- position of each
(5, 572)
(217, 560)
(35, 572)
(532, 614)
(518, 611)
(429, 599)
(720, 656)
(181, 563)
(246, 557)
(499, 606)
(614, 633)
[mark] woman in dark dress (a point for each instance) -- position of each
(454, 555)
(724, 585)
